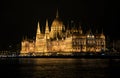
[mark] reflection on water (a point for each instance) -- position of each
(59, 68)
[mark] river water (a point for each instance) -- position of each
(59, 68)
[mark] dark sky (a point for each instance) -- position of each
(19, 17)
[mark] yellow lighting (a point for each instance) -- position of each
(53, 41)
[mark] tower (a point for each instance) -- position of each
(47, 28)
(103, 44)
(38, 33)
(38, 39)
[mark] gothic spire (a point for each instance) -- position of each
(47, 28)
(38, 29)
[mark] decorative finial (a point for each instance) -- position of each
(57, 16)
(47, 28)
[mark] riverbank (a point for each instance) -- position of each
(73, 55)
(88, 56)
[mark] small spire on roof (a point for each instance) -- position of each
(57, 15)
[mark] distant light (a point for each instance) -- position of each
(102, 54)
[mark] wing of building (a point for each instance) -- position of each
(59, 39)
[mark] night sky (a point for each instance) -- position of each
(18, 18)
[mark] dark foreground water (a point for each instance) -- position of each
(59, 68)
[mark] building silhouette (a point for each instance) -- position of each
(64, 40)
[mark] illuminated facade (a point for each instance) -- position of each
(63, 40)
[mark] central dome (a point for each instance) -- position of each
(57, 26)
(56, 22)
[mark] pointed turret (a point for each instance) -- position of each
(57, 15)
(38, 29)
(80, 29)
(38, 33)
(47, 28)
(102, 35)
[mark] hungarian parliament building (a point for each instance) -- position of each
(62, 40)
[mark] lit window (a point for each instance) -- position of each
(88, 36)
